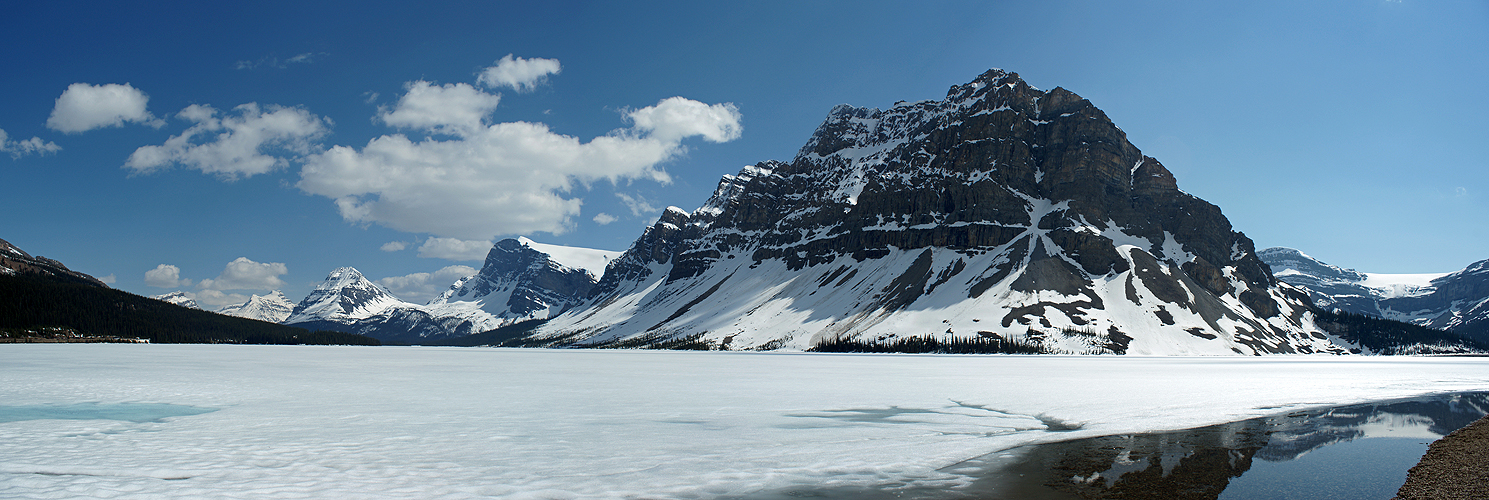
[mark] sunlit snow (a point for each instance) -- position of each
(401, 422)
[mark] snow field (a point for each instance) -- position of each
(398, 422)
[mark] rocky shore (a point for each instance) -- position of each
(1454, 467)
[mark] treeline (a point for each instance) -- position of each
(33, 302)
(930, 344)
(1390, 337)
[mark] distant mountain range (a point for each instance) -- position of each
(1003, 218)
(1457, 301)
(41, 296)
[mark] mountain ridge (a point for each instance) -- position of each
(1457, 301)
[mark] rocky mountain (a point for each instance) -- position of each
(273, 307)
(16, 262)
(178, 298)
(516, 283)
(1457, 302)
(1001, 212)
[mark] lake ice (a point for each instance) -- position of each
(403, 422)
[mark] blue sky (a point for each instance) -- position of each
(231, 149)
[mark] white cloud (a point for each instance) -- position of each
(84, 107)
(17, 149)
(275, 62)
(639, 206)
(422, 287)
(522, 75)
(675, 118)
(213, 299)
(394, 246)
(603, 218)
(108, 280)
(237, 144)
(245, 274)
(165, 276)
(506, 178)
(306, 58)
(455, 109)
(454, 249)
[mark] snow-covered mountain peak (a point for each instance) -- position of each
(344, 295)
(178, 298)
(273, 307)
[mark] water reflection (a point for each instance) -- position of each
(1201, 463)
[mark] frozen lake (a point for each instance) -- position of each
(168, 421)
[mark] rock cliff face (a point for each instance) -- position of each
(1002, 211)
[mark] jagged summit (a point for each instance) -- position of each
(1001, 211)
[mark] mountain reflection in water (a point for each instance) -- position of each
(1201, 463)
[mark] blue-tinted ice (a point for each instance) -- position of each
(129, 412)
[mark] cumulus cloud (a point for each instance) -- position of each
(165, 276)
(423, 287)
(394, 246)
(34, 145)
(454, 249)
(108, 280)
(522, 75)
(639, 206)
(674, 118)
(84, 107)
(245, 142)
(214, 299)
(504, 178)
(245, 274)
(603, 218)
(455, 109)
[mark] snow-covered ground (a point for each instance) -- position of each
(404, 422)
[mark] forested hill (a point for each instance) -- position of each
(34, 301)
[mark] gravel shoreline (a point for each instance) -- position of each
(1454, 467)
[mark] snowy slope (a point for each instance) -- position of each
(273, 307)
(589, 259)
(1001, 212)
